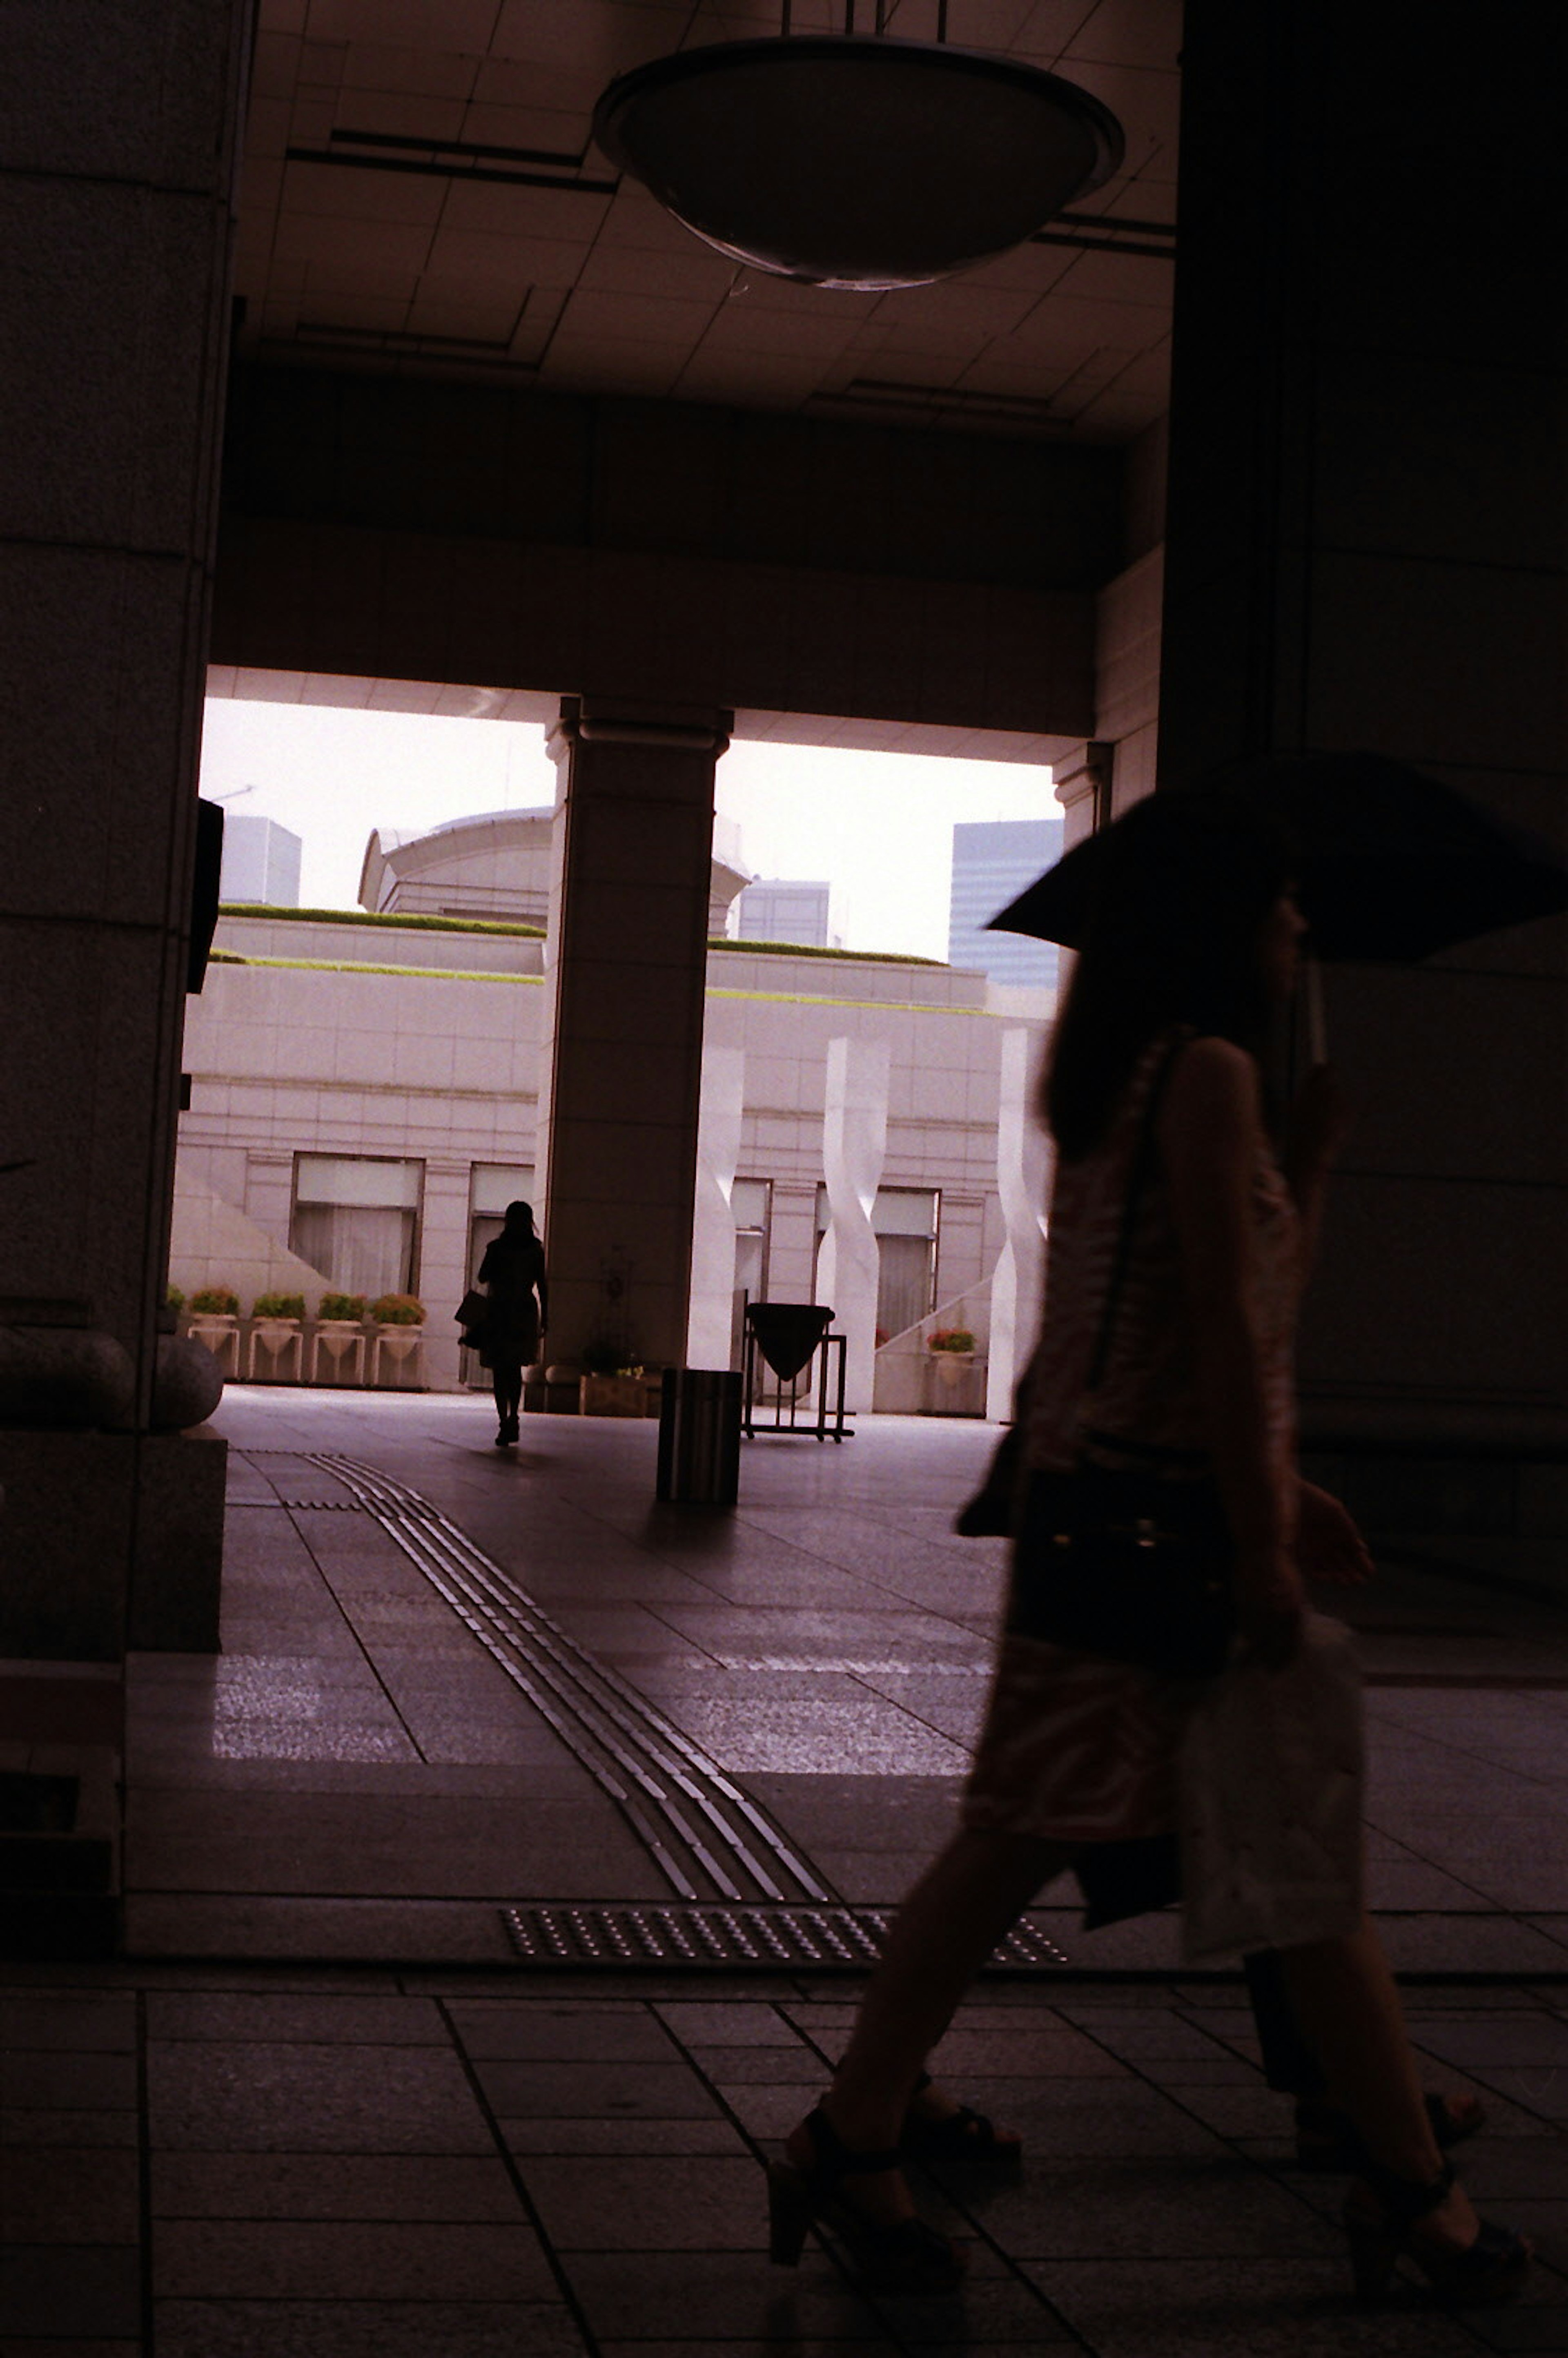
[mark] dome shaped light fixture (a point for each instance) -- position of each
(860, 162)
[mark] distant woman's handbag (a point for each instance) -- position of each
(1126, 1561)
(472, 1316)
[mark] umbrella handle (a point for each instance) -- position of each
(1312, 1007)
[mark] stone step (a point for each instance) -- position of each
(60, 1853)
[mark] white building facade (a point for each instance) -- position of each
(364, 1097)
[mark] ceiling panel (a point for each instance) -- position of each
(395, 215)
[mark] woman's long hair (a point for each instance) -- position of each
(518, 1226)
(1189, 878)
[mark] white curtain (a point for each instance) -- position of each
(363, 1249)
(903, 1281)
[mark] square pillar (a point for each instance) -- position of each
(1368, 446)
(620, 1075)
(116, 176)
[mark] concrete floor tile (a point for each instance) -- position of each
(994, 2312)
(722, 2023)
(771, 2348)
(26, 2347)
(769, 2111)
(69, 2195)
(365, 2186)
(729, 2298)
(259, 2098)
(695, 2203)
(1142, 2210)
(316, 1932)
(1034, 2052)
(197, 2259)
(1507, 2168)
(1529, 2040)
(373, 2328)
(1248, 2308)
(1543, 2091)
(741, 2067)
(594, 2090)
(60, 2081)
(296, 2016)
(1075, 2120)
(85, 2021)
(630, 2135)
(87, 2290)
(543, 2030)
(85, 2131)
(812, 1739)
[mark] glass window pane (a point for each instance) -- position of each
(904, 1283)
(358, 1248)
(357, 1179)
(496, 1185)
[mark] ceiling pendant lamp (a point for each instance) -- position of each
(857, 161)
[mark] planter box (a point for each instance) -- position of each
(614, 1396)
(955, 1384)
(281, 1343)
(397, 1347)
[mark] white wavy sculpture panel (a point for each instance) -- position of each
(1022, 1158)
(854, 1146)
(710, 1317)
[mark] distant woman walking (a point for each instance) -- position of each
(512, 1275)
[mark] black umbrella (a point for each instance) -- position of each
(1394, 866)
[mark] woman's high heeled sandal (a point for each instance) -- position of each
(965, 2135)
(1491, 2267)
(1327, 2141)
(903, 2255)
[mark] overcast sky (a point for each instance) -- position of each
(879, 826)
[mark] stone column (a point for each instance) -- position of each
(1082, 784)
(621, 1071)
(1365, 549)
(118, 141)
(710, 1328)
(1021, 1162)
(854, 1146)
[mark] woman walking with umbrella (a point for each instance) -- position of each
(512, 1274)
(1158, 1449)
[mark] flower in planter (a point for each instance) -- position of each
(950, 1338)
(611, 1359)
(398, 1309)
(343, 1306)
(215, 1302)
(175, 1300)
(278, 1306)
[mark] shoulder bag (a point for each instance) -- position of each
(1126, 1561)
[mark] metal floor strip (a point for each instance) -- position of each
(700, 1828)
(732, 1940)
(771, 1912)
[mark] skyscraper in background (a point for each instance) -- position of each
(779, 909)
(261, 863)
(993, 859)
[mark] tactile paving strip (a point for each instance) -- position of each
(732, 1940)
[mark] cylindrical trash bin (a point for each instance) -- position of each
(699, 1436)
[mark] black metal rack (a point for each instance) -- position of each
(822, 1373)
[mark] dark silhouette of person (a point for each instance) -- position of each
(512, 1275)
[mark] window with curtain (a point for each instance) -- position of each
(356, 1219)
(750, 1201)
(905, 1219)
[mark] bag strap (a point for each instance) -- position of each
(1138, 1179)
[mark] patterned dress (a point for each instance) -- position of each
(1075, 1747)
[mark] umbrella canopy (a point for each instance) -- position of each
(1394, 866)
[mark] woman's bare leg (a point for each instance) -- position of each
(1347, 2002)
(969, 1897)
